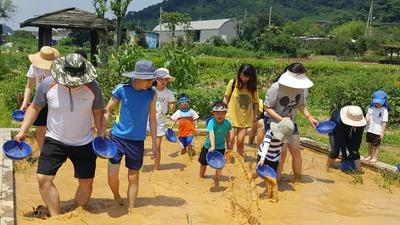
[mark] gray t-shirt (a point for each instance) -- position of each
(70, 115)
(284, 100)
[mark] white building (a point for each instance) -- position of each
(203, 30)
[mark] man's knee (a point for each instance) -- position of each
(44, 181)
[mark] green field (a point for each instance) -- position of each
(336, 83)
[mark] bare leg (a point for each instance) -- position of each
(281, 161)
(49, 193)
(202, 171)
(133, 178)
(329, 163)
(157, 159)
(370, 152)
(83, 191)
(241, 134)
(40, 133)
(260, 132)
(375, 154)
(191, 151)
(253, 133)
(217, 177)
(183, 151)
(113, 182)
(297, 160)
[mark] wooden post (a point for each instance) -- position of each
(44, 37)
(93, 46)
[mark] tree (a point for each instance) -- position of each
(119, 8)
(101, 7)
(353, 29)
(173, 19)
(7, 9)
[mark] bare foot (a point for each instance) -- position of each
(131, 210)
(374, 160)
(41, 212)
(183, 151)
(118, 201)
(367, 158)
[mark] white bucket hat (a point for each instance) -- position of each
(164, 73)
(352, 116)
(295, 80)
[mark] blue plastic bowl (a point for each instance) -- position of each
(265, 171)
(16, 150)
(171, 135)
(104, 148)
(325, 127)
(215, 160)
(398, 167)
(18, 115)
(348, 166)
(208, 120)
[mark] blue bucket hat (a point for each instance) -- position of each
(144, 70)
(379, 97)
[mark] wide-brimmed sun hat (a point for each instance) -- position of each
(164, 73)
(73, 70)
(144, 70)
(352, 116)
(379, 97)
(295, 80)
(44, 58)
(283, 130)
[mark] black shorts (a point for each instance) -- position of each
(54, 153)
(203, 153)
(273, 165)
(373, 139)
(41, 119)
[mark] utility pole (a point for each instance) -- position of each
(270, 13)
(159, 36)
(369, 20)
(245, 14)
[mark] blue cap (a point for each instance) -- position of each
(184, 100)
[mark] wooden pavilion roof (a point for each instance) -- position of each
(69, 18)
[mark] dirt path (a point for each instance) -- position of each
(175, 195)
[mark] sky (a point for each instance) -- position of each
(27, 9)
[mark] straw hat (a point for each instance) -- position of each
(294, 80)
(164, 73)
(352, 116)
(144, 70)
(283, 130)
(44, 58)
(73, 70)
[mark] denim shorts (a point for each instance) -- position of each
(133, 151)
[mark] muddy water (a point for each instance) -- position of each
(175, 195)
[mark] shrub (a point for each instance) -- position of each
(182, 65)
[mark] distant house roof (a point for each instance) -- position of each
(197, 25)
(68, 18)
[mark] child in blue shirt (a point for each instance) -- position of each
(135, 102)
(219, 132)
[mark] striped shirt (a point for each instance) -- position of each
(270, 148)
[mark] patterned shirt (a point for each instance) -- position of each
(270, 148)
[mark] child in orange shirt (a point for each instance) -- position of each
(187, 120)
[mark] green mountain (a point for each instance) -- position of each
(386, 11)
